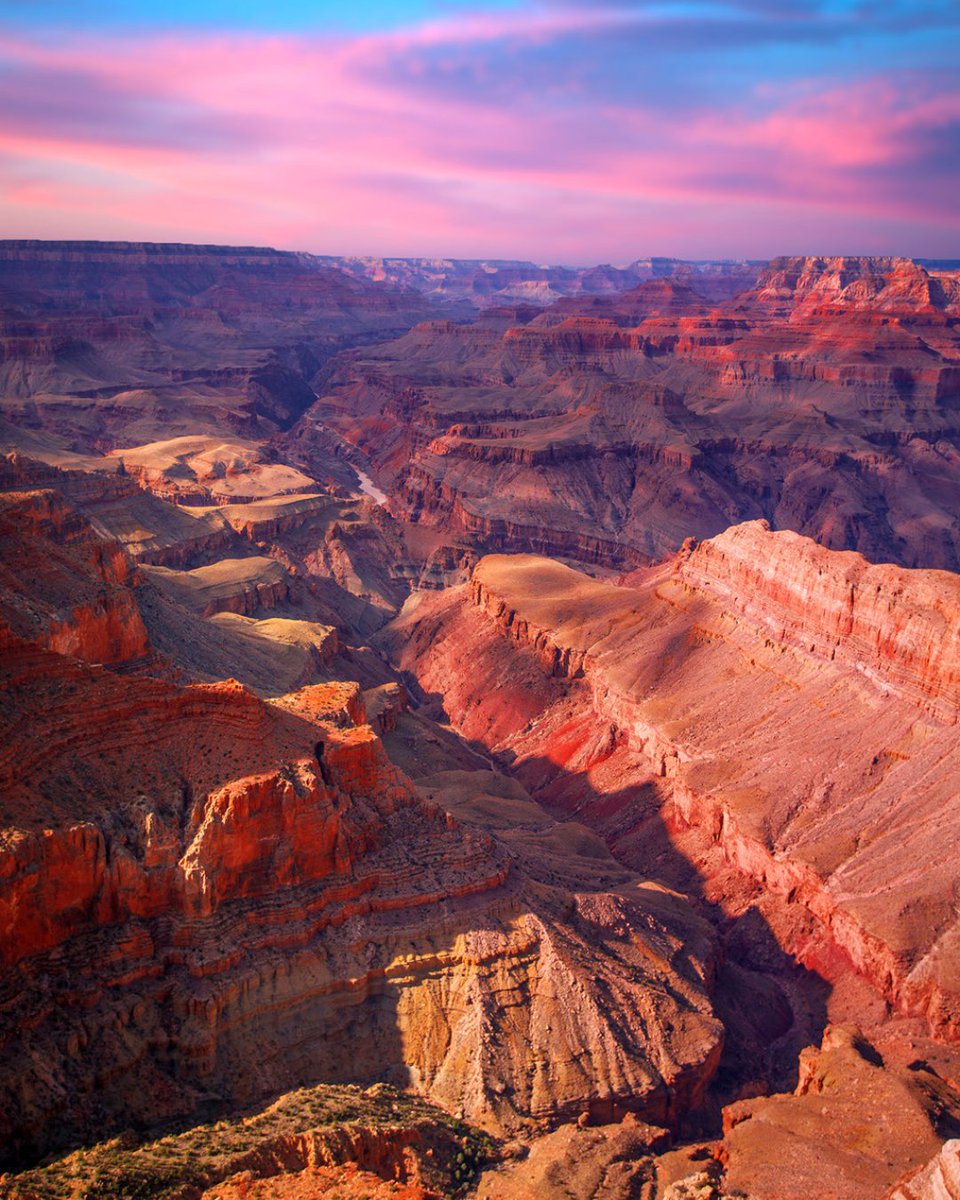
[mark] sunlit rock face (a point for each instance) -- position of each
(797, 705)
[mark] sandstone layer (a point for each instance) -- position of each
(809, 748)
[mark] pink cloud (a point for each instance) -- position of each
(317, 142)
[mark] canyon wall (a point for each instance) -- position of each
(811, 744)
(607, 429)
(202, 891)
(118, 343)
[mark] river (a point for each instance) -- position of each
(369, 488)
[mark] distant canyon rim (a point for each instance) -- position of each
(478, 728)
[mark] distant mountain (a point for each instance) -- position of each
(481, 283)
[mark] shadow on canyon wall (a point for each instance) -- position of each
(770, 1005)
(263, 997)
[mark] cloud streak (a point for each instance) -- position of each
(567, 131)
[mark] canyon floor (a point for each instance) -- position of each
(478, 731)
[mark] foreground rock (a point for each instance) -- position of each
(847, 1133)
(609, 1162)
(237, 890)
(377, 1144)
(203, 894)
(797, 750)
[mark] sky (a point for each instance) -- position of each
(553, 130)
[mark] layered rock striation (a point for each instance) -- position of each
(608, 429)
(808, 744)
(118, 343)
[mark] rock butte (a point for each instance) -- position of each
(341, 852)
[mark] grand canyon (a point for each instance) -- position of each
(473, 728)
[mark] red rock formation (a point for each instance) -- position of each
(608, 430)
(808, 749)
(800, 284)
(577, 1160)
(899, 628)
(118, 510)
(371, 1144)
(230, 585)
(211, 889)
(62, 585)
(267, 901)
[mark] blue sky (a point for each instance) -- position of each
(300, 15)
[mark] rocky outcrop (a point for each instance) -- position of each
(63, 586)
(246, 586)
(150, 530)
(268, 902)
(609, 1162)
(704, 679)
(885, 284)
(385, 704)
(847, 1131)
(372, 1144)
(209, 470)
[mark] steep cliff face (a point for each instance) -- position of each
(899, 628)
(807, 746)
(265, 901)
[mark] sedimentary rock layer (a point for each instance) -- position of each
(812, 744)
(608, 429)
